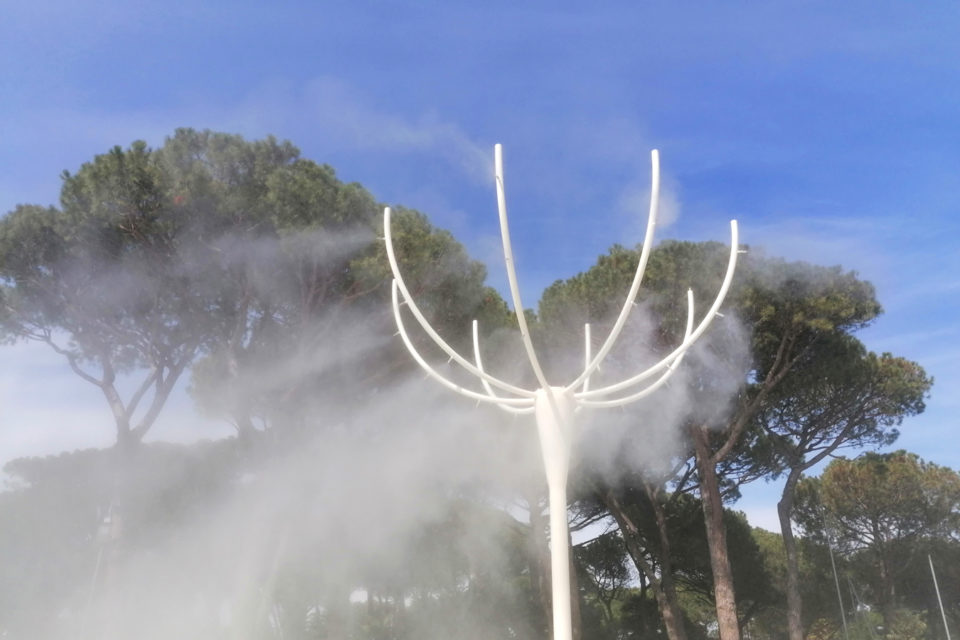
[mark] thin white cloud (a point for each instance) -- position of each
(344, 118)
(343, 112)
(325, 109)
(634, 207)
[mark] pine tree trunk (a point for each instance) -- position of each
(667, 601)
(576, 622)
(887, 593)
(724, 596)
(794, 602)
(539, 553)
(670, 612)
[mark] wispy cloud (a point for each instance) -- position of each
(343, 117)
(633, 205)
(325, 109)
(343, 113)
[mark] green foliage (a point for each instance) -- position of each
(878, 499)
(840, 395)
(446, 283)
(689, 559)
(116, 280)
(597, 295)
(821, 613)
(604, 577)
(886, 512)
(238, 255)
(868, 625)
(752, 579)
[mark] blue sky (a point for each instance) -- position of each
(830, 130)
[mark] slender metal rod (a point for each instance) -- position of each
(836, 581)
(637, 277)
(486, 385)
(701, 328)
(936, 588)
(433, 373)
(586, 354)
(415, 310)
(512, 271)
(659, 382)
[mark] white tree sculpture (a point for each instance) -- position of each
(554, 406)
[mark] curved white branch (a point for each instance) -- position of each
(586, 355)
(512, 271)
(586, 362)
(637, 278)
(689, 340)
(415, 310)
(432, 372)
(486, 385)
(671, 368)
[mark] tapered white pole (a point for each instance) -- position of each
(554, 413)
